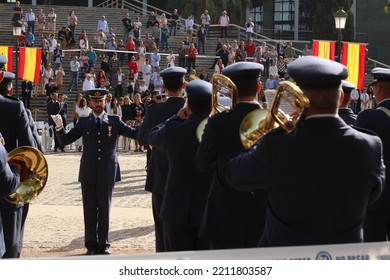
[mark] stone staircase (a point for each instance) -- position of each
(88, 18)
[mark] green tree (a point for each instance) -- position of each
(323, 19)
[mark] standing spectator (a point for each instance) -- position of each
(102, 23)
(112, 46)
(88, 84)
(281, 48)
(97, 177)
(41, 20)
(250, 48)
(131, 46)
(27, 89)
(82, 111)
(156, 33)
(290, 53)
(173, 22)
(101, 40)
(224, 22)
(83, 41)
(306, 51)
(72, 22)
(202, 32)
(50, 88)
(189, 26)
(152, 20)
(30, 38)
(74, 72)
(282, 67)
(110, 34)
(249, 26)
(147, 72)
(224, 54)
(30, 19)
(76, 104)
(192, 53)
(71, 41)
(164, 37)
(141, 51)
(364, 98)
(63, 112)
(114, 66)
(355, 103)
(182, 55)
(136, 34)
(273, 69)
(133, 67)
(170, 59)
(148, 41)
(126, 115)
(51, 21)
(120, 50)
(258, 55)
(137, 113)
(53, 108)
(117, 83)
(101, 79)
(59, 73)
(84, 64)
(218, 67)
(52, 42)
(126, 26)
(91, 55)
(62, 38)
(48, 73)
(105, 66)
(137, 23)
(273, 54)
(163, 19)
(205, 18)
(18, 11)
(155, 59)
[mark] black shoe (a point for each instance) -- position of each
(62, 151)
(104, 251)
(55, 150)
(91, 252)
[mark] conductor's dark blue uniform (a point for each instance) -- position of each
(99, 168)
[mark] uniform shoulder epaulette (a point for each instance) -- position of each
(364, 130)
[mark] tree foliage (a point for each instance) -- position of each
(323, 19)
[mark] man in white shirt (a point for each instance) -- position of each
(224, 21)
(147, 71)
(189, 23)
(205, 18)
(355, 99)
(30, 19)
(102, 23)
(74, 70)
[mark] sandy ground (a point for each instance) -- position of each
(54, 225)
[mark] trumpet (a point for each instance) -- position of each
(258, 122)
(34, 161)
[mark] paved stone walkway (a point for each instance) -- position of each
(54, 225)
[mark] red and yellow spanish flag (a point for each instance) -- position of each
(324, 49)
(354, 58)
(7, 52)
(29, 64)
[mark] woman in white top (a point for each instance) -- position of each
(82, 111)
(218, 67)
(141, 55)
(88, 83)
(171, 59)
(364, 98)
(115, 109)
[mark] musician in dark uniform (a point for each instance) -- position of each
(232, 219)
(311, 201)
(14, 126)
(174, 84)
(9, 182)
(377, 224)
(99, 167)
(344, 111)
(187, 187)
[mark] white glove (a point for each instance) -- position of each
(58, 121)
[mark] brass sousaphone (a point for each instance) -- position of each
(34, 161)
(288, 109)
